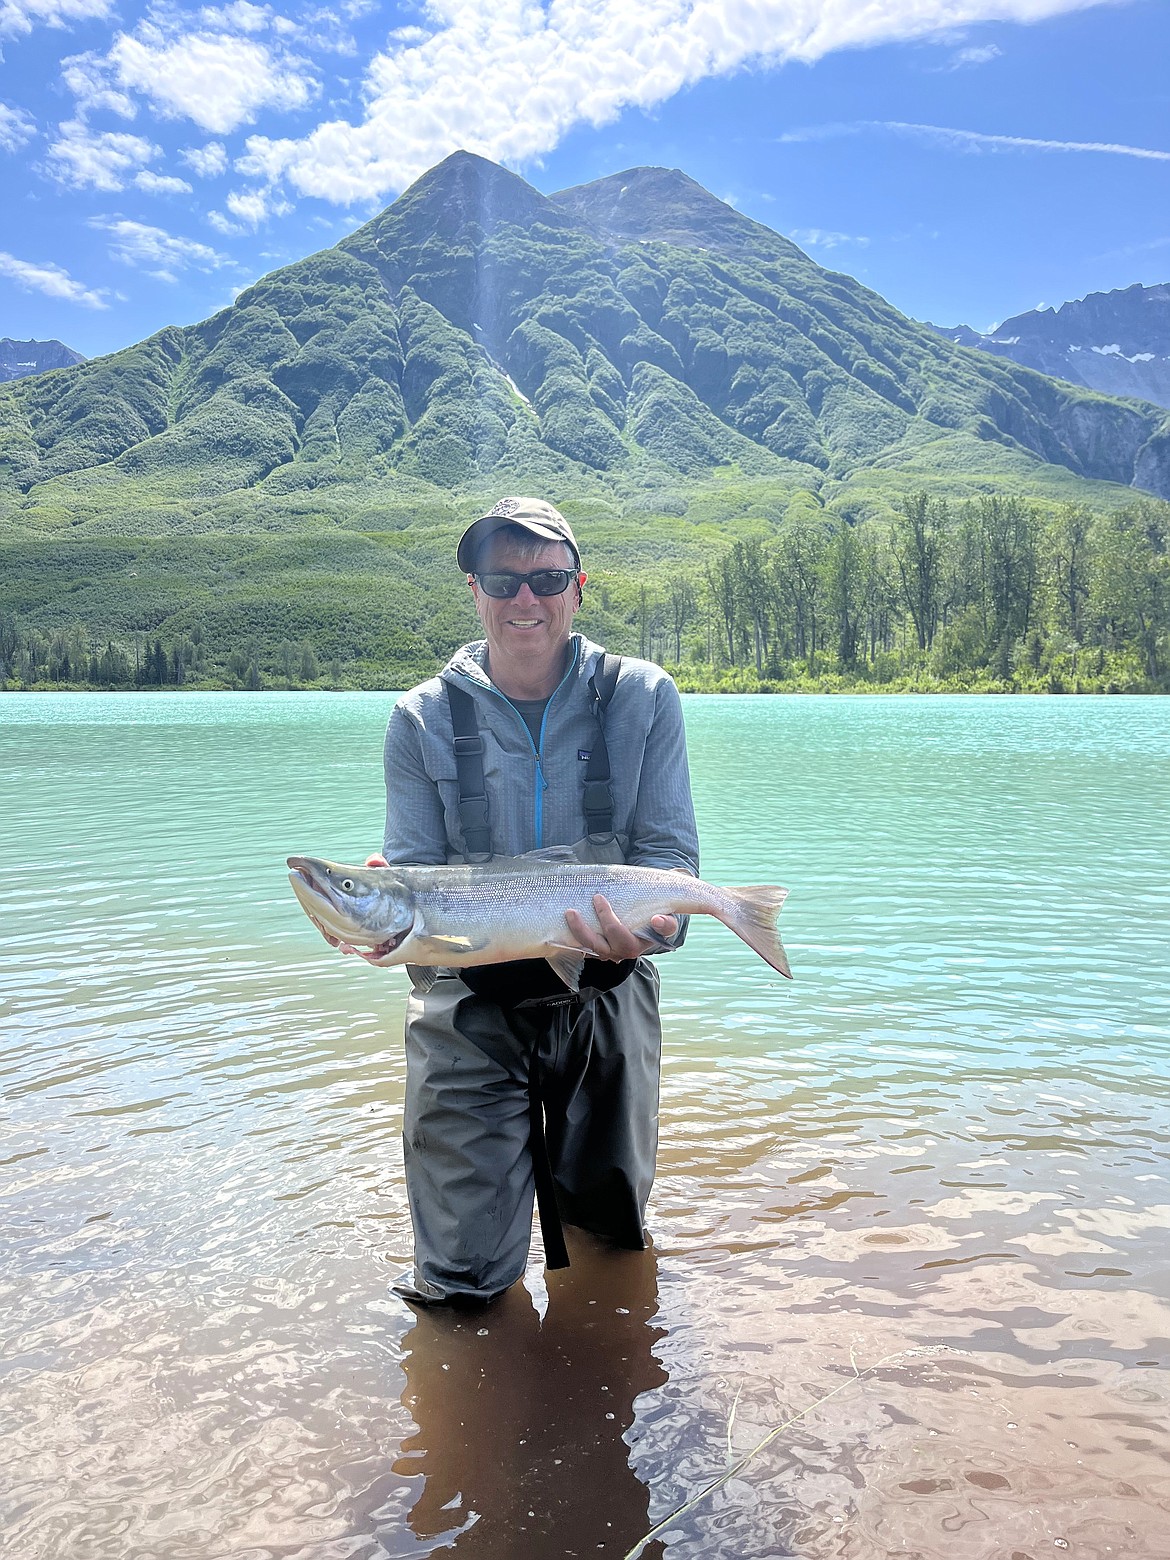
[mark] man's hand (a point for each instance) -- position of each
(615, 940)
(376, 861)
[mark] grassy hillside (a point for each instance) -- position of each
(290, 475)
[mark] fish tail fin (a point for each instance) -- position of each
(754, 919)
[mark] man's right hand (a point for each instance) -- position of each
(376, 861)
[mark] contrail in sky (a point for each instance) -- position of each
(973, 138)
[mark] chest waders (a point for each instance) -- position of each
(475, 823)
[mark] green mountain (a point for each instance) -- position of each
(283, 482)
(633, 332)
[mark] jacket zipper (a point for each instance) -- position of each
(537, 747)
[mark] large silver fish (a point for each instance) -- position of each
(513, 908)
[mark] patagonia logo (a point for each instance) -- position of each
(583, 754)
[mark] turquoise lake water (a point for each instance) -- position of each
(912, 1213)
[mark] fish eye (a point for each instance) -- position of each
(347, 885)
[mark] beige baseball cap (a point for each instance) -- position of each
(530, 514)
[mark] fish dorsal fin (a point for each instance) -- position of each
(567, 963)
(558, 853)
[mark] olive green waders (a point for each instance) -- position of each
(468, 1136)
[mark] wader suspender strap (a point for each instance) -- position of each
(598, 800)
(552, 1234)
(473, 820)
(473, 802)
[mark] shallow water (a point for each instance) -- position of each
(912, 1221)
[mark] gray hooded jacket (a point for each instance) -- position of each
(535, 789)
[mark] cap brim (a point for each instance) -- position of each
(483, 529)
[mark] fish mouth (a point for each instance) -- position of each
(312, 899)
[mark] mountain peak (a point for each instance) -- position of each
(464, 191)
(18, 359)
(1116, 342)
(665, 205)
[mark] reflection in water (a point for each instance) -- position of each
(521, 1418)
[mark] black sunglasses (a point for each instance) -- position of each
(541, 582)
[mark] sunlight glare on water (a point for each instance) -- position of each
(913, 1210)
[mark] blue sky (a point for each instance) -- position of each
(968, 159)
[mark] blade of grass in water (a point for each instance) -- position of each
(927, 1351)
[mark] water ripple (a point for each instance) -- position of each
(948, 1134)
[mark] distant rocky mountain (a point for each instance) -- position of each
(1116, 342)
(616, 338)
(18, 359)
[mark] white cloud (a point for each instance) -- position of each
(317, 29)
(21, 16)
(88, 77)
(240, 16)
(225, 225)
(51, 280)
(973, 55)
(216, 80)
(161, 183)
(135, 243)
(453, 83)
(16, 128)
(207, 160)
(81, 159)
(255, 206)
(824, 238)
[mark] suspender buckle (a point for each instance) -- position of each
(473, 813)
(598, 798)
(467, 747)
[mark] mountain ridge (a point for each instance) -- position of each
(1117, 342)
(614, 338)
(609, 207)
(19, 359)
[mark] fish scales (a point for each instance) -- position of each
(515, 909)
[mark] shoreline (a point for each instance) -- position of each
(899, 688)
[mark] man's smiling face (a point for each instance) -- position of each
(526, 626)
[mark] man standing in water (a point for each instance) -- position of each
(532, 738)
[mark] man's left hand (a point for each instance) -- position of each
(615, 940)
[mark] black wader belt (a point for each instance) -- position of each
(597, 803)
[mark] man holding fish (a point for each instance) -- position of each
(473, 1055)
(532, 1030)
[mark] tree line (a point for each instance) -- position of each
(994, 593)
(993, 590)
(66, 658)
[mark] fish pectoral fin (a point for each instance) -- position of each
(648, 934)
(422, 976)
(455, 944)
(567, 963)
